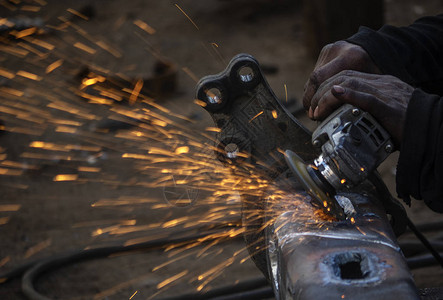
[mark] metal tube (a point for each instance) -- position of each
(353, 259)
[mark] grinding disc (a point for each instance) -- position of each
(300, 170)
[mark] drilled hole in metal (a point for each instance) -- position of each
(214, 96)
(231, 150)
(246, 74)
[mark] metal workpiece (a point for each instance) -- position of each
(311, 258)
(303, 251)
(251, 119)
(254, 130)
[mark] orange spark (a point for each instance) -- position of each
(108, 48)
(109, 292)
(133, 295)
(171, 279)
(135, 92)
(181, 150)
(76, 13)
(3, 221)
(37, 248)
(66, 129)
(88, 169)
(40, 43)
(213, 129)
(286, 93)
(10, 207)
(91, 81)
(201, 103)
(54, 66)
(255, 116)
(85, 48)
(66, 177)
(6, 73)
(14, 51)
(190, 74)
(135, 156)
(6, 22)
(25, 32)
(11, 91)
(31, 49)
(193, 23)
(145, 27)
(4, 261)
(274, 114)
(29, 75)
(31, 8)
(159, 123)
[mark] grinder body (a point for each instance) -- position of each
(353, 144)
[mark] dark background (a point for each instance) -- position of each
(40, 216)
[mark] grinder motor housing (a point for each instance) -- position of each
(353, 144)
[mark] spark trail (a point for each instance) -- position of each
(61, 115)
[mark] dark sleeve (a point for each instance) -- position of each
(420, 165)
(413, 53)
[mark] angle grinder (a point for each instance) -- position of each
(353, 145)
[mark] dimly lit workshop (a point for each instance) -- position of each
(221, 149)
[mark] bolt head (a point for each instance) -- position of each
(355, 111)
(389, 148)
(316, 143)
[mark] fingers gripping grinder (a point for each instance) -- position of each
(353, 145)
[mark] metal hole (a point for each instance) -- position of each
(351, 270)
(214, 96)
(231, 150)
(351, 266)
(246, 74)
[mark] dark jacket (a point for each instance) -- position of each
(414, 54)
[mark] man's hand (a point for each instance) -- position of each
(385, 97)
(333, 59)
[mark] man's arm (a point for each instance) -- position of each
(420, 165)
(413, 117)
(415, 55)
(412, 54)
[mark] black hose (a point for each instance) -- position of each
(431, 226)
(33, 269)
(418, 247)
(438, 258)
(421, 261)
(383, 190)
